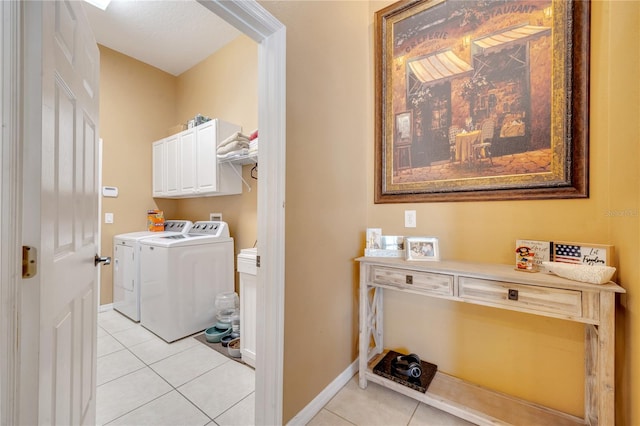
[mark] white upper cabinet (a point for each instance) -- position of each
(188, 161)
(186, 164)
(207, 177)
(158, 168)
(172, 155)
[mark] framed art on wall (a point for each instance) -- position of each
(496, 93)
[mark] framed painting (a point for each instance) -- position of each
(497, 97)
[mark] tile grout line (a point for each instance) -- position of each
(140, 406)
(237, 402)
(337, 415)
(149, 366)
(192, 379)
(145, 365)
(415, 410)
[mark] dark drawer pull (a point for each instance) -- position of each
(513, 294)
(409, 279)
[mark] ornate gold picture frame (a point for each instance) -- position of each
(498, 97)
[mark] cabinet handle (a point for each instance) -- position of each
(409, 279)
(513, 294)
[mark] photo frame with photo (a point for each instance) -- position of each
(378, 245)
(421, 248)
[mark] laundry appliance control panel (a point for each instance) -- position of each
(178, 225)
(210, 227)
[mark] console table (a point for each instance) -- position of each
(501, 287)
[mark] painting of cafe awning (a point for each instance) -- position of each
(497, 98)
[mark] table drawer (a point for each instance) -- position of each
(427, 282)
(521, 297)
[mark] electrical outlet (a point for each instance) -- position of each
(108, 218)
(409, 218)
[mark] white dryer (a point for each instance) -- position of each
(181, 276)
(126, 266)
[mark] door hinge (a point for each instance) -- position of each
(257, 261)
(29, 262)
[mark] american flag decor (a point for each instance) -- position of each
(582, 254)
(567, 253)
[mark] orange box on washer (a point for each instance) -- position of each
(155, 220)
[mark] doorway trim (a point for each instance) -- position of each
(257, 23)
(10, 190)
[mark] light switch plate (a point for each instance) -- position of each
(108, 218)
(409, 218)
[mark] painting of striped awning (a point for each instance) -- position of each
(439, 67)
(507, 38)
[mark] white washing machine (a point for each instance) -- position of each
(181, 276)
(126, 266)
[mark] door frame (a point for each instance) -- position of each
(270, 34)
(254, 21)
(10, 200)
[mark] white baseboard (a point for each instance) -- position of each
(105, 308)
(307, 413)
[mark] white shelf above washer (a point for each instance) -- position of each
(242, 160)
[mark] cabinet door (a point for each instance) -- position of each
(188, 162)
(206, 158)
(172, 162)
(158, 168)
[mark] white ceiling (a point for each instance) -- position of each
(172, 35)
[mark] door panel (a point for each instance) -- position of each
(88, 181)
(63, 158)
(159, 167)
(172, 158)
(207, 161)
(186, 164)
(63, 359)
(63, 171)
(88, 354)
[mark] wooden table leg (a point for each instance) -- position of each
(600, 365)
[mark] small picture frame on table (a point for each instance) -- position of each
(421, 248)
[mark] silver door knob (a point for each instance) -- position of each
(106, 260)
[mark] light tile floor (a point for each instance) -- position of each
(377, 405)
(142, 380)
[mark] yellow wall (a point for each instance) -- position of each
(330, 151)
(328, 133)
(139, 104)
(225, 86)
(330, 204)
(615, 128)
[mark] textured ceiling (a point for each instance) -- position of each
(172, 35)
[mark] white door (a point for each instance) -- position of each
(60, 216)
